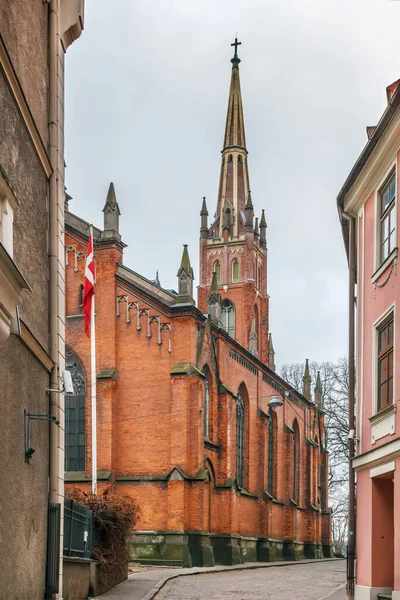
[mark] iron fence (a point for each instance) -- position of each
(53, 550)
(77, 530)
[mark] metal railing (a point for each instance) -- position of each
(77, 530)
(53, 550)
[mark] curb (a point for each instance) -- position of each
(152, 594)
(341, 587)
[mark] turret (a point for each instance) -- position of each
(249, 210)
(111, 216)
(307, 382)
(263, 231)
(204, 220)
(318, 392)
(185, 279)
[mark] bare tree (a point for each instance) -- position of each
(335, 405)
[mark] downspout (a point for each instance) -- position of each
(351, 547)
(56, 400)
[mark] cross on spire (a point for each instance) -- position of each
(236, 44)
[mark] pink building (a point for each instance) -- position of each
(370, 222)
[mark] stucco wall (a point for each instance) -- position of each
(23, 379)
(23, 498)
(23, 26)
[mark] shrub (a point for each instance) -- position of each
(114, 515)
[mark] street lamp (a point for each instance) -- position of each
(275, 403)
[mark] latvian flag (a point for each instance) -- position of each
(88, 288)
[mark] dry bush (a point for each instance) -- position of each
(114, 516)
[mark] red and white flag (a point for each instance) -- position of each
(88, 288)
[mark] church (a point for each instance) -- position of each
(226, 460)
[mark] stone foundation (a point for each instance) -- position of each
(202, 549)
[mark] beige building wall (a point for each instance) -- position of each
(34, 37)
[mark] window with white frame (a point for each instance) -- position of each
(387, 218)
(6, 224)
(385, 363)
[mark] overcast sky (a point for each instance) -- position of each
(146, 97)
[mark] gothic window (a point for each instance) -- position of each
(206, 404)
(217, 270)
(230, 158)
(75, 418)
(296, 463)
(239, 158)
(228, 318)
(271, 453)
(240, 438)
(235, 271)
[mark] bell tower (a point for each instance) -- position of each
(234, 245)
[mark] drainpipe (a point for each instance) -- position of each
(351, 547)
(56, 487)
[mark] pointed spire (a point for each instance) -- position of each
(271, 353)
(185, 278)
(234, 131)
(204, 219)
(214, 301)
(263, 231)
(111, 216)
(318, 391)
(256, 230)
(307, 382)
(249, 214)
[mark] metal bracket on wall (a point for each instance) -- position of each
(28, 417)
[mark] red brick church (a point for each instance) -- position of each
(227, 461)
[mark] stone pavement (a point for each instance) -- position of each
(303, 580)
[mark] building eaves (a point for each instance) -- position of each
(366, 153)
(261, 366)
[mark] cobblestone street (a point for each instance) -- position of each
(298, 582)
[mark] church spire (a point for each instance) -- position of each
(234, 180)
(111, 216)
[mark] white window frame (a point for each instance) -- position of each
(375, 339)
(378, 264)
(8, 203)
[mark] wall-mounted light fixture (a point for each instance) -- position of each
(275, 403)
(68, 390)
(28, 417)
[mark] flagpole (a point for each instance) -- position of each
(93, 382)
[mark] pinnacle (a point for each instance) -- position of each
(307, 376)
(256, 230)
(204, 210)
(185, 262)
(263, 222)
(318, 384)
(111, 198)
(249, 202)
(214, 283)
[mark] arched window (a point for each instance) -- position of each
(230, 158)
(75, 417)
(217, 269)
(240, 438)
(271, 453)
(296, 463)
(206, 404)
(239, 158)
(235, 270)
(228, 318)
